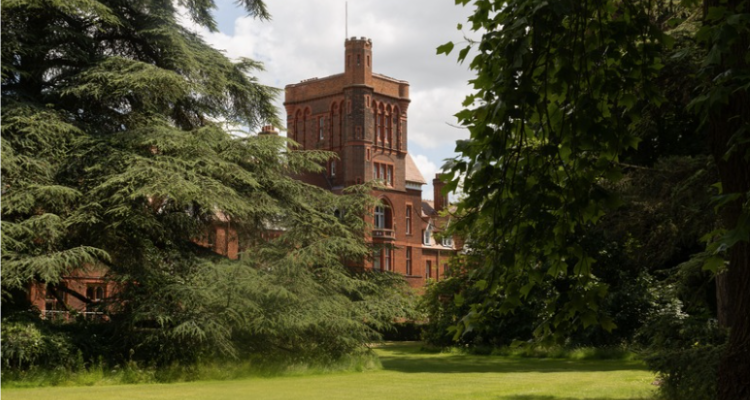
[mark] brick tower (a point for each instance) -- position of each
(362, 117)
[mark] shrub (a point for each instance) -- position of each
(22, 343)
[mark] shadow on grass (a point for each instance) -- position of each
(532, 397)
(410, 359)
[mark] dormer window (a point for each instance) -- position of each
(447, 241)
(426, 235)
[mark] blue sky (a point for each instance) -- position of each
(305, 39)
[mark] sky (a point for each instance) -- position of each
(305, 39)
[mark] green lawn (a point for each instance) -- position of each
(406, 374)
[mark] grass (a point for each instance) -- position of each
(407, 373)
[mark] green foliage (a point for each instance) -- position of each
(117, 152)
(686, 374)
(574, 147)
(555, 106)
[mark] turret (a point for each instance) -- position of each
(358, 61)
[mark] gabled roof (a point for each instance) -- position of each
(428, 208)
(412, 172)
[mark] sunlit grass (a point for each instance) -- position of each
(407, 373)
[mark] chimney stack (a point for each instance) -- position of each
(441, 200)
(268, 130)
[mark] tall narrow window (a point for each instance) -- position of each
(380, 217)
(95, 293)
(382, 172)
(408, 219)
(428, 269)
(389, 176)
(376, 260)
(387, 259)
(321, 127)
(333, 168)
(389, 135)
(408, 261)
(377, 124)
(359, 60)
(375, 170)
(381, 119)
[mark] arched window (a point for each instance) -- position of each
(389, 127)
(380, 217)
(397, 127)
(377, 121)
(381, 123)
(321, 128)
(383, 215)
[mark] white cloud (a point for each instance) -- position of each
(428, 170)
(431, 122)
(305, 39)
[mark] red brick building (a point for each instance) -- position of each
(362, 117)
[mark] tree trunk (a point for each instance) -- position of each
(723, 303)
(734, 173)
(734, 368)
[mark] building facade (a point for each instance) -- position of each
(363, 117)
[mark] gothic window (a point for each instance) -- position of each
(389, 128)
(380, 217)
(95, 293)
(321, 128)
(383, 216)
(381, 123)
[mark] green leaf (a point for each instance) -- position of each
(445, 48)
(713, 264)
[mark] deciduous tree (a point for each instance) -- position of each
(560, 89)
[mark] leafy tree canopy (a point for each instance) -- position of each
(116, 151)
(561, 92)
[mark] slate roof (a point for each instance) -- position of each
(412, 171)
